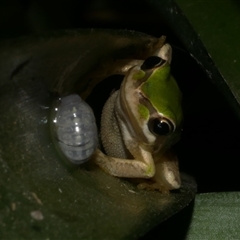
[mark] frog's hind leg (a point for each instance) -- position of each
(167, 171)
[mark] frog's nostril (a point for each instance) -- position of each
(152, 62)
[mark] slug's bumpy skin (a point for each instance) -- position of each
(75, 129)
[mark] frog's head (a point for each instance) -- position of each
(150, 101)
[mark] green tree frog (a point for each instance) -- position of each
(140, 122)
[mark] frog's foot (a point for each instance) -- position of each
(149, 184)
(153, 186)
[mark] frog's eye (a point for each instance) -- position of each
(152, 62)
(160, 126)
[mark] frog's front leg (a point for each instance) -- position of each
(163, 175)
(142, 167)
(167, 170)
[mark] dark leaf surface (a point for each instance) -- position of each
(43, 196)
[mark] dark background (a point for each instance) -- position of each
(29, 16)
